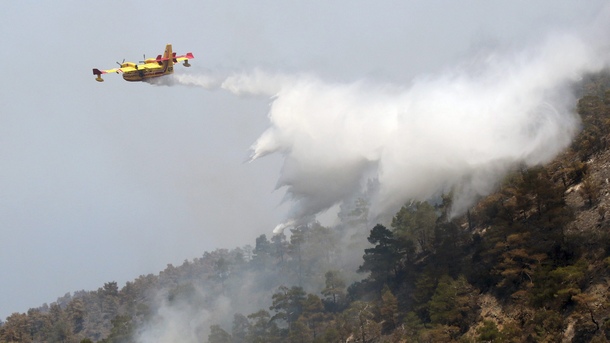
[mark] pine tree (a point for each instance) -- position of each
(218, 335)
(334, 292)
(388, 311)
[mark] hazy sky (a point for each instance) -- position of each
(107, 181)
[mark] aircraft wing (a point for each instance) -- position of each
(149, 66)
(180, 58)
(186, 57)
(114, 70)
(125, 69)
(98, 72)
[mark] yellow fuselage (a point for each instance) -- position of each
(146, 71)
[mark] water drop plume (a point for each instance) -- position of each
(460, 130)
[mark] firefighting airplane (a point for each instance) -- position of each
(152, 67)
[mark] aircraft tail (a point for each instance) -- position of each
(168, 59)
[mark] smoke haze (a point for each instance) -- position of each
(460, 130)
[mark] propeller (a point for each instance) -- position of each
(120, 64)
(143, 58)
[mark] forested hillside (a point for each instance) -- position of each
(528, 263)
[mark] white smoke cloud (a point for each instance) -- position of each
(186, 320)
(461, 130)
